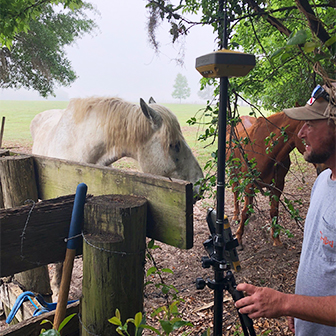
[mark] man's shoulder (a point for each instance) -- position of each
(321, 181)
(324, 175)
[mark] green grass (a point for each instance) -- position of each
(20, 113)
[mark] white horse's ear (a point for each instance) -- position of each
(154, 117)
(151, 101)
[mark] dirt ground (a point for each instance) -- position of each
(262, 263)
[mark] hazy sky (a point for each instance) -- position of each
(118, 60)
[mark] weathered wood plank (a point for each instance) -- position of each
(32, 326)
(170, 202)
(43, 241)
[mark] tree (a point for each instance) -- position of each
(33, 41)
(294, 41)
(181, 89)
(16, 16)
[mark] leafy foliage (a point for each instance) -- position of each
(34, 57)
(17, 16)
(292, 40)
(54, 332)
(168, 315)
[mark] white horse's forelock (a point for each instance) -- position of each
(126, 121)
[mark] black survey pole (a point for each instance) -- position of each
(219, 244)
(223, 100)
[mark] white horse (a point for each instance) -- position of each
(103, 130)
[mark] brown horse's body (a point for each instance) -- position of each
(273, 164)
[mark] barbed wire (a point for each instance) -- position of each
(23, 234)
(122, 253)
(86, 329)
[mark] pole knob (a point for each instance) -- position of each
(200, 283)
(206, 262)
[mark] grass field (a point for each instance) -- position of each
(19, 114)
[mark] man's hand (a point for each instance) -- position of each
(260, 302)
(267, 302)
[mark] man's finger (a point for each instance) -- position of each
(244, 302)
(244, 287)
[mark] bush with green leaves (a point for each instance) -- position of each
(168, 315)
(54, 332)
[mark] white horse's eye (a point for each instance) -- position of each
(175, 147)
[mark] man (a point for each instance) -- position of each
(312, 309)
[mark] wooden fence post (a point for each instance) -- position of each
(18, 184)
(2, 130)
(113, 261)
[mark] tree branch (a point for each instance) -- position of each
(272, 20)
(315, 24)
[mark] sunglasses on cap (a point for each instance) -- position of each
(320, 92)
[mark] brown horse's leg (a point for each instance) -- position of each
(274, 212)
(244, 216)
(280, 173)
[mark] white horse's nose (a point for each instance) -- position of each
(197, 194)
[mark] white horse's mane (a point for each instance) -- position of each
(126, 120)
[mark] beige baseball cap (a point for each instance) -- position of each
(319, 106)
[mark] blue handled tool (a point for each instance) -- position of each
(41, 306)
(74, 231)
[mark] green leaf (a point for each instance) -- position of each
(310, 46)
(299, 38)
(138, 319)
(120, 331)
(115, 320)
(173, 307)
(285, 56)
(46, 321)
(165, 289)
(151, 244)
(159, 310)
(179, 324)
(331, 41)
(167, 270)
(206, 333)
(277, 53)
(65, 321)
(50, 332)
(145, 326)
(166, 326)
(130, 320)
(151, 270)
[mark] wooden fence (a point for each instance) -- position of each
(167, 217)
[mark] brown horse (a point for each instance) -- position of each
(272, 160)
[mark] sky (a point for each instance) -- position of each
(117, 60)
